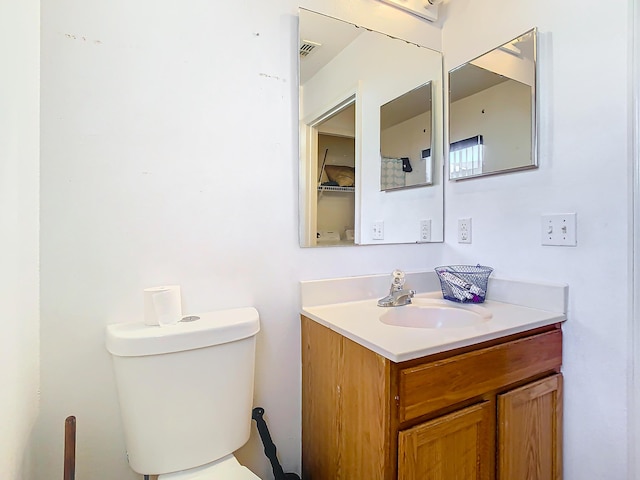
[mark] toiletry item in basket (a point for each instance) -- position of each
(462, 290)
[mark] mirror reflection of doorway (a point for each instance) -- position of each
(331, 176)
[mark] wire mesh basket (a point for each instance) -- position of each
(464, 283)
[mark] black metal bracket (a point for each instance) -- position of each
(269, 447)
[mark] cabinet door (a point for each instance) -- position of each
(321, 357)
(458, 446)
(530, 431)
(346, 409)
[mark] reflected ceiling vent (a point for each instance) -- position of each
(307, 47)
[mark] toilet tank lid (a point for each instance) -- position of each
(135, 339)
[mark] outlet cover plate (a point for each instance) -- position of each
(464, 230)
(425, 231)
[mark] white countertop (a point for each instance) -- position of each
(359, 319)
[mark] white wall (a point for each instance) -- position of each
(166, 125)
(19, 117)
(502, 115)
(169, 155)
(584, 168)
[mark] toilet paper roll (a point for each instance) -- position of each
(162, 305)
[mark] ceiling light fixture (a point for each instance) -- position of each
(427, 9)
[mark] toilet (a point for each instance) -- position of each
(186, 393)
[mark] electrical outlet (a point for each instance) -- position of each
(377, 232)
(425, 231)
(559, 229)
(464, 230)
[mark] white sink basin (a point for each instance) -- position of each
(435, 313)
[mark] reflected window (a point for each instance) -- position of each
(465, 157)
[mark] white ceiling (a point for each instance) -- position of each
(409, 105)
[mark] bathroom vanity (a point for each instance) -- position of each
(481, 401)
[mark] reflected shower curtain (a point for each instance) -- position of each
(391, 174)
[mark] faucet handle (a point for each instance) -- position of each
(398, 279)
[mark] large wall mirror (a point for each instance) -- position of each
(492, 111)
(352, 82)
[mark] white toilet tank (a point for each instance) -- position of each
(185, 390)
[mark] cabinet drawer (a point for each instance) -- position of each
(439, 384)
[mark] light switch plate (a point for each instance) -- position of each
(559, 229)
(377, 230)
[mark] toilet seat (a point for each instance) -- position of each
(227, 468)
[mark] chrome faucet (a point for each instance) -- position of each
(398, 295)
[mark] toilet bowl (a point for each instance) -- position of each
(227, 468)
(186, 393)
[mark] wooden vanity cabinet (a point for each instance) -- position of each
(489, 411)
